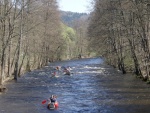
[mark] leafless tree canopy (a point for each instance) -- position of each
(30, 35)
(120, 30)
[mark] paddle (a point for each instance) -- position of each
(44, 101)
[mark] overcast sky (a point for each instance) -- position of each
(74, 5)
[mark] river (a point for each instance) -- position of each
(93, 87)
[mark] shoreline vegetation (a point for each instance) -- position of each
(119, 31)
(26, 31)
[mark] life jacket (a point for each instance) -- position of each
(53, 99)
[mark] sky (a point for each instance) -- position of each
(80, 6)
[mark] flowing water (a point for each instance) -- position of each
(93, 87)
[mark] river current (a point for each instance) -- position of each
(93, 87)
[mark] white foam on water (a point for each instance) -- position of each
(99, 71)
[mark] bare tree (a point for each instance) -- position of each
(120, 29)
(29, 37)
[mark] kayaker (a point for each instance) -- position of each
(53, 99)
(67, 71)
(58, 68)
(54, 74)
(52, 102)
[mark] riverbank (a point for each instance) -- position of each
(3, 87)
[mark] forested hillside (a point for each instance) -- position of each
(74, 32)
(68, 17)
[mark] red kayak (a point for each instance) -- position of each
(53, 105)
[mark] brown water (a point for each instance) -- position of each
(93, 88)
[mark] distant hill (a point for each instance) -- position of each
(68, 17)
